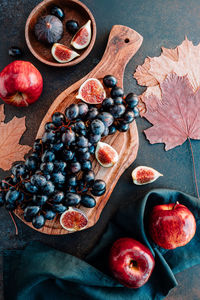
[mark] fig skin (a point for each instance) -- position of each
(48, 29)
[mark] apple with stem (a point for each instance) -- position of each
(21, 83)
(131, 262)
(171, 225)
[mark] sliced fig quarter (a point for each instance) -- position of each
(91, 91)
(144, 175)
(62, 53)
(106, 155)
(82, 38)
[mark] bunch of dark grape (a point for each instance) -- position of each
(58, 174)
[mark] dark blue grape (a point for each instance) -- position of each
(128, 116)
(49, 215)
(122, 127)
(58, 119)
(82, 150)
(37, 145)
(112, 129)
(88, 177)
(118, 100)
(47, 167)
(11, 196)
(132, 100)
(20, 198)
(40, 199)
(92, 113)
(99, 185)
(58, 197)
(72, 199)
(109, 81)
(49, 188)
(83, 109)
(38, 221)
(72, 180)
(94, 139)
(97, 127)
(107, 103)
(31, 188)
(117, 110)
(98, 193)
(136, 112)
(106, 118)
(49, 126)
(80, 125)
(31, 163)
(72, 112)
(68, 137)
(81, 141)
(59, 166)
(19, 170)
(116, 92)
(67, 155)
(30, 212)
(58, 178)
(75, 167)
(91, 149)
(57, 146)
(106, 131)
(38, 180)
(36, 155)
(58, 12)
(59, 208)
(48, 156)
(49, 137)
(15, 52)
(88, 201)
(72, 26)
(86, 165)
(84, 156)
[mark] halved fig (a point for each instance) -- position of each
(73, 219)
(91, 91)
(144, 175)
(82, 38)
(106, 155)
(62, 53)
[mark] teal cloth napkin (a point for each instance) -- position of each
(42, 273)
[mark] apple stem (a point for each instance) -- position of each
(16, 229)
(195, 176)
(175, 204)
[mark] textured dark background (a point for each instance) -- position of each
(161, 23)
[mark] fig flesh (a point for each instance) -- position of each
(62, 53)
(106, 155)
(82, 38)
(144, 175)
(73, 219)
(91, 91)
(48, 29)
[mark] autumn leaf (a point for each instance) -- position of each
(184, 59)
(175, 117)
(10, 133)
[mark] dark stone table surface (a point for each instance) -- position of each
(161, 23)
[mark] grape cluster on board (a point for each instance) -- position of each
(58, 174)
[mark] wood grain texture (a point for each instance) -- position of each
(74, 10)
(123, 43)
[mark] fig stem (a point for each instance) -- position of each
(16, 229)
(195, 176)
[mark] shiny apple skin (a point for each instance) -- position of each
(123, 252)
(171, 225)
(21, 83)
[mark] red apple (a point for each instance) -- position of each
(131, 262)
(20, 83)
(171, 225)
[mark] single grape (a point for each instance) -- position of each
(49, 137)
(57, 146)
(68, 137)
(97, 127)
(94, 138)
(88, 201)
(40, 199)
(47, 167)
(72, 112)
(30, 212)
(59, 208)
(98, 193)
(91, 149)
(75, 167)
(106, 118)
(49, 215)
(80, 125)
(109, 81)
(31, 163)
(37, 145)
(19, 170)
(99, 185)
(72, 199)
(58, 119)
(128, 116)
(116, 92)
(117, 110)
(88, 177)
(38, 180)
(136, 112)
(49, 188)
(72, 180)
(106, 131)
(58, 178)
(48, 156)
(67, 155)
(59, 166)
(38, 221)
(83, 109)
(107, 103)
(58, 197)
(49, 126)
(86, 165)
(58, 12)
(132, 100)
(92, 113)
(118, 100)
(72, 26)
(11, 196)
(84, 156)
(122, 127)
(112, 129)
(30, 188)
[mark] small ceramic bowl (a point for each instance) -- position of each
(74, 10)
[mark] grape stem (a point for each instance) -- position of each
(195, 176)
(16, 229)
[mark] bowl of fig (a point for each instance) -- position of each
(60, 33)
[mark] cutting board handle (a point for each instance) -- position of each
(123, 43)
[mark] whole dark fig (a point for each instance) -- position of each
(48, 29)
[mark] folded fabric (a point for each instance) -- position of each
(42, 273)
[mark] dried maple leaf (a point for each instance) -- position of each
(175, 117)
(184, 59)
(10, 133)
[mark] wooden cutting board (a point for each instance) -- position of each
(122, 44)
